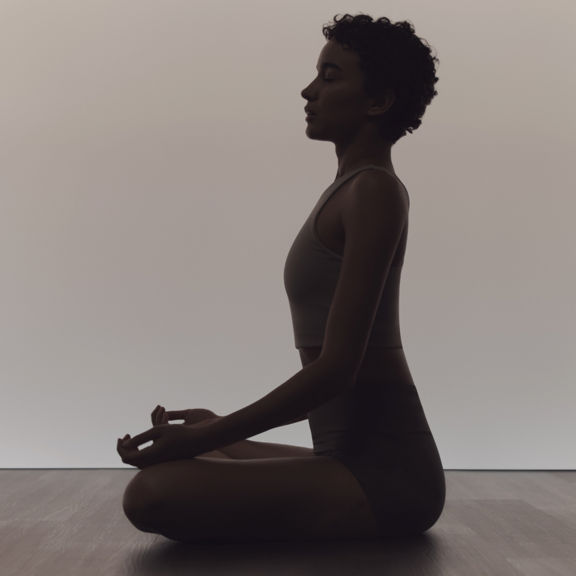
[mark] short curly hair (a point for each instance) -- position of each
(391, 56)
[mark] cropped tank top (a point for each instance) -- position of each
(311, 273)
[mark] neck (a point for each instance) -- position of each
(351, 158)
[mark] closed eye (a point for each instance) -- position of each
(326, 79)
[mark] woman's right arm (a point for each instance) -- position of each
(195, 415)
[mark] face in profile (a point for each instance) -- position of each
(340, 108)
(336, 96)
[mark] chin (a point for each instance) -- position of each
(313, 134)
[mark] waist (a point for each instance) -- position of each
(378, 363)
(313, 352)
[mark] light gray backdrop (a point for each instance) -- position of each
(155, 170)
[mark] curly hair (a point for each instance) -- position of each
(391, 56)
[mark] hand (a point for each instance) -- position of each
(190, 416)
(170, 442)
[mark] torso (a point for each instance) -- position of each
(377, 362)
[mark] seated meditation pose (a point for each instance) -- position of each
(374, 470)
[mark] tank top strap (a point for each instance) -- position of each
(336, 184)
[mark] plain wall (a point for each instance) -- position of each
(154, 171)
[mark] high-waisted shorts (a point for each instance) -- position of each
(402, 477)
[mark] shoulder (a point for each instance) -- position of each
(373, 194)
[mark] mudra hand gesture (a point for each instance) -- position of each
(169, 441)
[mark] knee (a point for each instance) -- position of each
(140, 501)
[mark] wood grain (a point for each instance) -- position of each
(71, 522)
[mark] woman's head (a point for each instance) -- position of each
(385, 68)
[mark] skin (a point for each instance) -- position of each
(276, 495)
(345, 114)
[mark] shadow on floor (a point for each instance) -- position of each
(396, 556)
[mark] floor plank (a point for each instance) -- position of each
(495, 523)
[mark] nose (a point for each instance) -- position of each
(305, 93)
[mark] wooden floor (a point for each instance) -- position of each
(71, 523)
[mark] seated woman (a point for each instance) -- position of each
(375, 470)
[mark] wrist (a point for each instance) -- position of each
(204, 435)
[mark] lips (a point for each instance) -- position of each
(309, 112)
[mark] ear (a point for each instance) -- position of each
(382, 103)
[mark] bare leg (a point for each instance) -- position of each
(215, 454)
(251, 450)
(238, 450)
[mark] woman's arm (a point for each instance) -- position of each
(298, 419)
(317, 383)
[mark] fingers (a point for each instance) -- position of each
(135, 441)
(122, 441)
(154, 415)
(159, 416)
(176, 414)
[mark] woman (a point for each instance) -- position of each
(375, 470)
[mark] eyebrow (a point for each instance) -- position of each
(330, 65)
